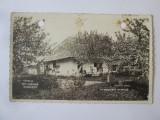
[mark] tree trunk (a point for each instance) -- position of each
(108, 77)
(38, 69)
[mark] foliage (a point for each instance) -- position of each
(92, 92)
(139, 28)
(132, 46)
(28, 42)
(88, 46)
(45, 82)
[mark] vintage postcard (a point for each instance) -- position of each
(84, 58)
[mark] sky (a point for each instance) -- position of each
(60, 26)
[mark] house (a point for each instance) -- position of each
(66, 65)
(60, 65)
(63, 63)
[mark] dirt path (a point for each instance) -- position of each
(87, 83)
(70, 83)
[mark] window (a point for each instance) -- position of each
(95, 64)
(54, 64)
(46, 67)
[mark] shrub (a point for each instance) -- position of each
(45, 82)
(105, 77)
(19, 92)
(141, 85)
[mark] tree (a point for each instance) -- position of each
(91, 47)
(139, 28)
(28, 42)
(88, 47)
(137, 45)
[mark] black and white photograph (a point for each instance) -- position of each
(90, 58)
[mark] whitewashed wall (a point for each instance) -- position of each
(67, 67)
